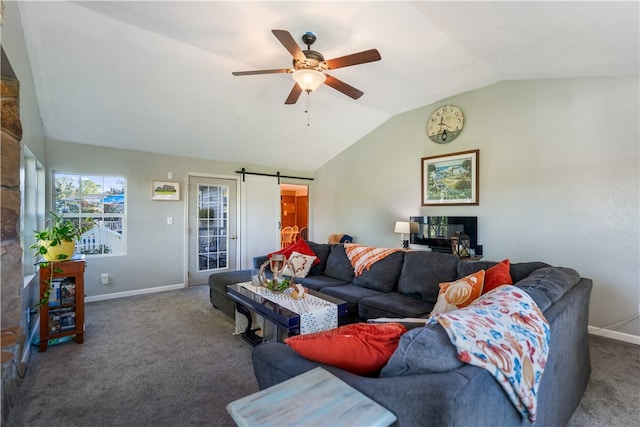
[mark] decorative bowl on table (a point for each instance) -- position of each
(278, 283)
(278, 286)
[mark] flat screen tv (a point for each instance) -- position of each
(436, 231)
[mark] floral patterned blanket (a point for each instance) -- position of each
(505, 333)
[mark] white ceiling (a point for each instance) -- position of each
(156, 75)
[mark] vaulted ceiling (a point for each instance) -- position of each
(156, 75)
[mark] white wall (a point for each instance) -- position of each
(155, 251)
(559, 162)
(14, 46)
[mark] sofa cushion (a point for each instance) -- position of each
(299, 246)
(497, 275)
(518, 270)
(338, 264)
(350, 293)
(319, 282)
(219, 281)
(361, 348)
(547, 285)
(422, 272)
(422, 351)
(465, 268)
(383, 274)
(393, 304)
(322, 251)
(459, 293)
(521, 270)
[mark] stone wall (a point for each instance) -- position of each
(11, 273)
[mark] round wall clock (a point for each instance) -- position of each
(445, 124)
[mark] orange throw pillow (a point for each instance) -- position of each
(460, 293)
(497, 275)
(360, 348)
(299, 246)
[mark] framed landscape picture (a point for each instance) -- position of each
(450, 179)
(165, 190)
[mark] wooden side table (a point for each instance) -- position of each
(315, 398)
(62, 316)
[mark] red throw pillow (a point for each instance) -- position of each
(300, 246)
(497, 275)
(360, 348)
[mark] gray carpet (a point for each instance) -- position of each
(165, 359)
(170, 359)
(612, 398)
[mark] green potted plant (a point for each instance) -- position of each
(57, 241)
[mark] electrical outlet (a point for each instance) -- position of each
(104, 279)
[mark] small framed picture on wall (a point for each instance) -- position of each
(165, 190)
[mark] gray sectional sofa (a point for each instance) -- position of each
(424, 382)
(403, 284)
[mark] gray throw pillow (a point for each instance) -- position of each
(383, 274)
(422, 273)
(338, 264)
(322, 251)
(547, 285)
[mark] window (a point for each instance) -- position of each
(102, 198)
(31, 205)
(213, 211)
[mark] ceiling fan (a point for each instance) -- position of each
(309, 67)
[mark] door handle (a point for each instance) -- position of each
(233, 237)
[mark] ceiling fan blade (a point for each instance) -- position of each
(250, 73)
(341, 86)
(354, 59)
(290, 44)
(294, 94)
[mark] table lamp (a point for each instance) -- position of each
(403, 227)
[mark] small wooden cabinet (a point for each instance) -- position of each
(63, 314)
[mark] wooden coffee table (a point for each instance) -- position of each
(315, 398)
(286, 322)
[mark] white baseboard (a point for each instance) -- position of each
(135, 292)
(620, 336)
(26, 352)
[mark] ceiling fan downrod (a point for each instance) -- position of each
(309, 38)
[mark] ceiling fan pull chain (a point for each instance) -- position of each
(307, 109)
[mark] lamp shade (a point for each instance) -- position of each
(402, 227)
(309, 80)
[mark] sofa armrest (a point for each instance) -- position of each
(259, 260)
(442, 398)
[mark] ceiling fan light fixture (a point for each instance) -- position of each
(309, 80)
